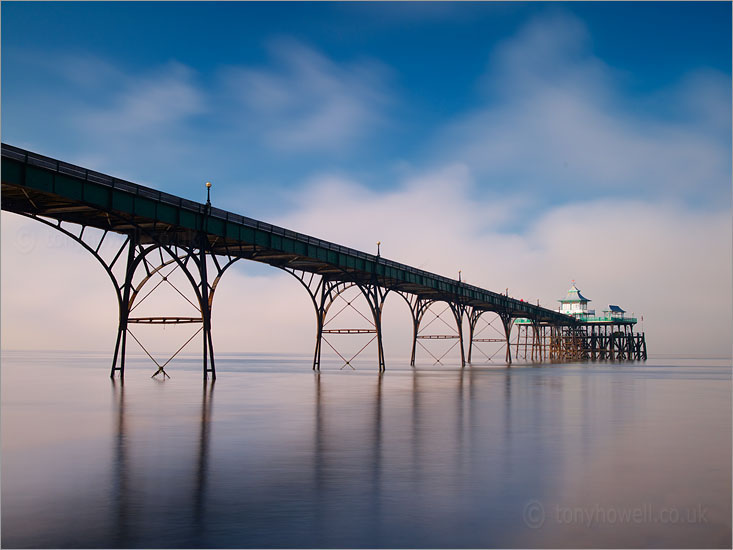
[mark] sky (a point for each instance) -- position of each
(525, 144)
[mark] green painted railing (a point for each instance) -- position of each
(606, 319)
(589, 319)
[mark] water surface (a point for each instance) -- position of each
(274, 455)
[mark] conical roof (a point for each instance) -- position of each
(574, 295)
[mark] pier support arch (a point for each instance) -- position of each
(142, 249)
(324, 292)
(201, 268)
(489, 333)
(419, 306)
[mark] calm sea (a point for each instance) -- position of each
(274, 455)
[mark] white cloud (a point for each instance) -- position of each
(138, 125)
(556, 120)
(408, 218)
(701, 97)
(152, 103)
(306, 101)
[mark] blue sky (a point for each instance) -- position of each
(496, 125)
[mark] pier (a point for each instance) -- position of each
(163, 232)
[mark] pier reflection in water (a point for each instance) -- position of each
(273, 456)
